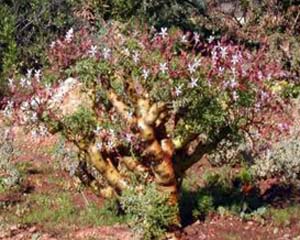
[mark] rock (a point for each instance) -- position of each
(69, 97)
(286, 236)
(276, 230)
(32, 229)
(13, 228)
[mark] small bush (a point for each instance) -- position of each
(280, 161)
(148, 211)
(204, 205)
(10, 176)
(286, 216)
(225, 191)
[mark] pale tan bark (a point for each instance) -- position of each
(160, 153)
(133, 164)
(106, 169)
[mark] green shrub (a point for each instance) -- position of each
(8, 45)
(223, 191)
(281, 161)
(10, 176)
(82, 122)
(26, 30)
(154, 12)
(204, 204)
(148, 211)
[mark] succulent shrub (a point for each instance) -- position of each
(149, 103)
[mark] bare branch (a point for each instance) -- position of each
(109, 172)
(184, 161)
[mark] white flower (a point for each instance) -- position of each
(184, 39)
(244, 71)
(269, 77)
(10, 82)
(110, 145)
(35, 102)
(163, 32)
(235, 59)
(99, 146)
(257, 106)
(193, 82)
(146, 73)
(34, 117)
(29, 73)
(8, 109)
(6, 135)
(214, 54)
(130, 115)
(25, 119)
(106, 53)
(52, 45)
(10, 104)
(112, 132)
(34, 133)
(223, 52)
(28, 82)
(163, 67)
(221, 69)
(38, 74)
(264, 95)
(69, 35)
(7, 112)
(97, 130)
(23, 82)
(126, 52)
(129, 137)
(233, 69)
(191, 68)
(211, 39)
(233, 83)
(178, 90)
(24, 106)
(93, 51)
(260, 75)
(283, 126)
(43, 131)
(136, 57)
(197, 62)
(235, 96)
(196, 37)
(241, 20)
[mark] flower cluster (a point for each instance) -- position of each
(204, 84)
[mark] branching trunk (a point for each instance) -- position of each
(184, 160)
(88, 180)
(163, 159)
(106, 169)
